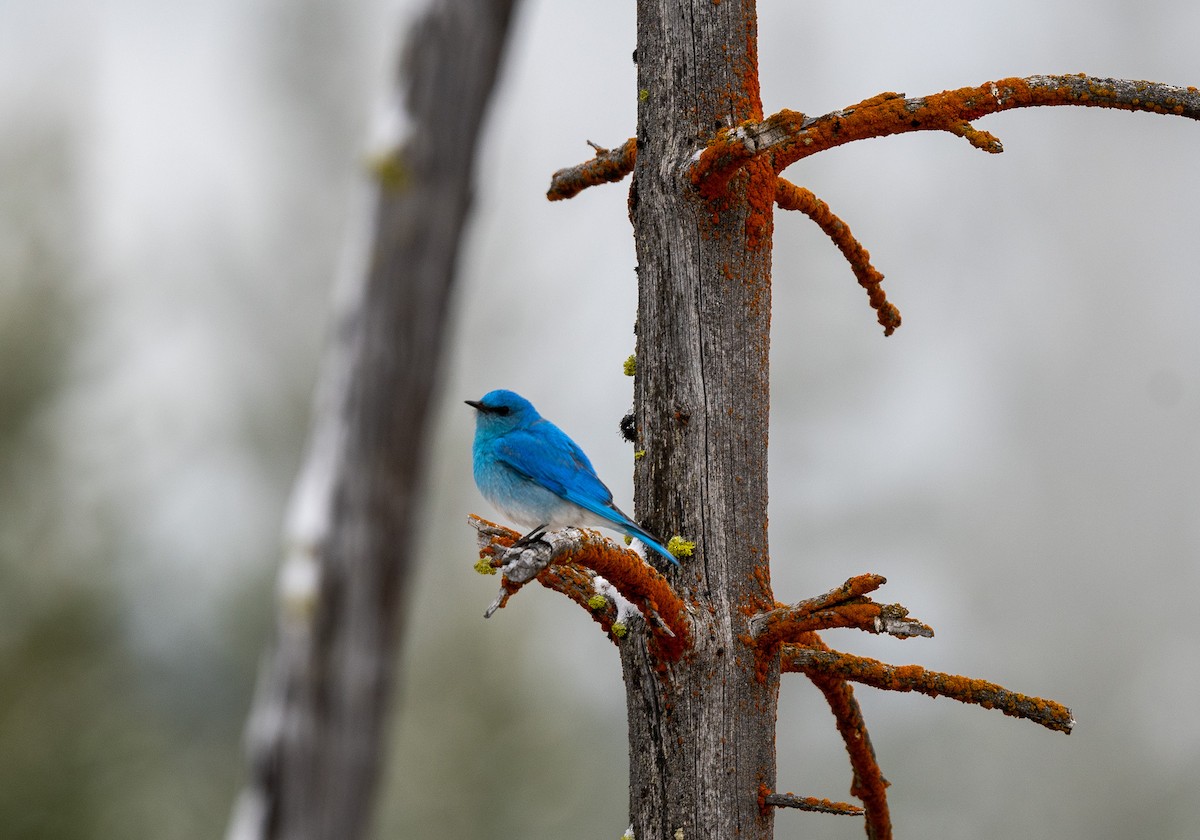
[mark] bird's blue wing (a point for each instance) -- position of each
(546, 456)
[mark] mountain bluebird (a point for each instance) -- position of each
(537, 476)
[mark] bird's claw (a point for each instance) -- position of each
(537, 535)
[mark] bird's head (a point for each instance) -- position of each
(501, 411)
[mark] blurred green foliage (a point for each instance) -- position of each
(84, 751)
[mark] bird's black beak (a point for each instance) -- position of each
(475, 404)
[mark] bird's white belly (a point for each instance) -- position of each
(530, 506)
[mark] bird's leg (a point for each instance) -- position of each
(525, 559)
(533, 536)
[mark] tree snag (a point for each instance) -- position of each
(702, 665)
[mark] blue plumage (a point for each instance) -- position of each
(537, 476)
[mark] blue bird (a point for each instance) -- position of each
(537, 476)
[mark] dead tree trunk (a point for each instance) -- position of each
(315, 734)
(702, 731)
(702, 670)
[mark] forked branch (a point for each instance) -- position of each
(868, 783)
(789, 630)
(788, 136)
(846, 606)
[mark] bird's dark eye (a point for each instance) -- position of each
(502, 410)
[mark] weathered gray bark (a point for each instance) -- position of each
(315, 734)
(702, 731)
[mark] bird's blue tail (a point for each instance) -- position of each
(653, 543)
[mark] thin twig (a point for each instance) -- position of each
(789, 196)
(811, 803)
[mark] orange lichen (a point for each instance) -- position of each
(621, 566)
(608, 166)
(982, 140)
(577, 585)
(842, 607)
(953, 110)
(763, 792)
(642, 585)
(789, 196)
(820, 662)
(860, 614)
(751, 102)
(731, 149)
(875, 100)
(768, 798)
(720, 160)
(762, 576)
(788, 136)
(837, 608)
(868, 783)
(760, 205)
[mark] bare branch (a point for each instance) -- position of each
(608, 166)
(811, 803)
(789, 136)
(878, 674)
(792, 197)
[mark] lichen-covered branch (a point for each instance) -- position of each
(570, 561)
(810, 803)
(868, 783)
(864, 614)
(853, 588)
(789, 196)
(731, 149)
(824, 663)
(845, 606)
(789, 136)
(611, 610)
(608, 166)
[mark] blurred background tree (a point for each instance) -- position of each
(176, 185)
